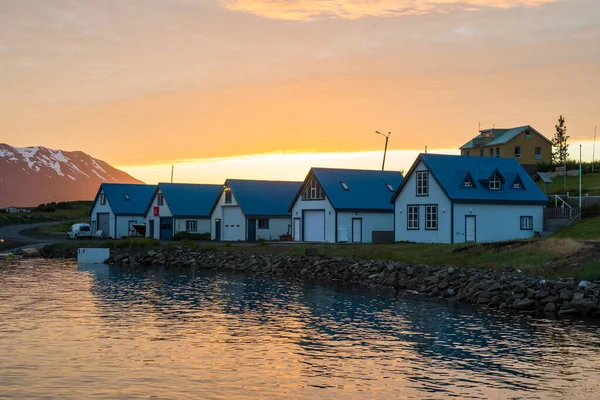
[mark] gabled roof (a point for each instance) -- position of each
(263, 198)
(117, 195)
(543, 176)
(367, 189)
(443, 168)
(500, 136)
(190, 199)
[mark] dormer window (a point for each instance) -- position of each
(390, 187)
(345, 186)
(126, 196)
(495, 183)
(468, 182)
(228, 197)
(102, 198)
(517, 184)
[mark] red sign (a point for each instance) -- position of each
(156, 211)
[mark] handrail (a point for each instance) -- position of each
(564, 203)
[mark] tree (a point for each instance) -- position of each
(561, 148)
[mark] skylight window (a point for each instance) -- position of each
(345, 186)
(126, 196)
(390, 187)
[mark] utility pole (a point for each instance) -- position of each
(386, 143)
(172, 168)
(565, 173)
(580, 178)
(594, 151)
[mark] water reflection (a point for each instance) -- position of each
(206, 334)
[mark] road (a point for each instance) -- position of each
(19, 233)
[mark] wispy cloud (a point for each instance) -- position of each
(302, 10)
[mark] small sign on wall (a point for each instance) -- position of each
(156, 211)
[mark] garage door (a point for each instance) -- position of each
(314, 226)
(233, 224)
(103, 224)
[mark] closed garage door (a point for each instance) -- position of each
(233, 224)
(314, 226)
(103, 224)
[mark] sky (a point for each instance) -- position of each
(267, 88)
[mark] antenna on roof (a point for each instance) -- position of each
(172, 168)
(479, 123)
(386, 143)
(425, 149)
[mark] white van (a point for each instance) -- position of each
(80, 231)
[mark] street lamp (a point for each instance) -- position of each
(385, 150)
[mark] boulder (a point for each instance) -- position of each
(524, 304)
(550, 308)
(30, 252)
(584, 305)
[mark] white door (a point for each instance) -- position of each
(357, 230)
(233, 224)
(297, 237)
(470, 233)
(314, 226)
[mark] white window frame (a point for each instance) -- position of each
(313, 190)
(191, 226)
(228, 196)
(495, 183)
(538, 156)
(431, 217)
(102, 199)
(412, 217)
(517, 185)
(422, 183)
(262, 223)
(467, 183)
(526, 223)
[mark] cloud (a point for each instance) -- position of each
(303, 10)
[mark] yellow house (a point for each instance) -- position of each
(524, 143)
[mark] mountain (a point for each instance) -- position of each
(33, 175)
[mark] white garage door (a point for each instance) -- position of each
(233, 224)
(314, 226)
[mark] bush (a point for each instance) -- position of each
(190, 236)
(132, 242)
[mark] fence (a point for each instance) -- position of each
(561, 213)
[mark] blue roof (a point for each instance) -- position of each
(117, 195)
(367, 189)
(264, 198)
(189, 199)
(500, 136)
(450, 172)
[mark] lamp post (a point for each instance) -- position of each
(386, 143)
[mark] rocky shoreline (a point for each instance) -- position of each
(505, 290)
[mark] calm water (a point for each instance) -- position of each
(106, 333)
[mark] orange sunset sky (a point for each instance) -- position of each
(218, 86)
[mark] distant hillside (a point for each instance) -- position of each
(33, 175)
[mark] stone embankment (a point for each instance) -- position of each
(506, 290)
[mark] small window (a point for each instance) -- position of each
(313, 190)
(527, 134)
(467, 153)
(516, 185)
(497, 151)
(191, 226)
(481, 153)
(160, 200)
(345, 186)
(495, 183)
(526, 223)
(228, 196)
(412, 215)
(431, 217)
(422, 183)
(517, 151)
(491, 152)
(126, 196)
(263, 223)
(390, 187)
(468, 183)
(102, 198)
(538, 153)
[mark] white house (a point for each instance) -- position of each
(250, 210)
(345, 205)
(118, 207)
(454, 199)
(180, 207)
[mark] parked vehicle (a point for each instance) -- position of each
(80, 231)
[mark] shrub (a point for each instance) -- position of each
(191, 236)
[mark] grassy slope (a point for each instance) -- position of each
(79, 210)
(590, 184)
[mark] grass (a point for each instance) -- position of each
(590, 184)
(587, 229)
(60, 229)
(80, 209)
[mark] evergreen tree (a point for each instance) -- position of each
(559, 142)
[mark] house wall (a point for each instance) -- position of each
(101, 209)
(163, 211)
(495, 222)
(408, 197)
(203, 224)
(277, 227)
(527, 149)
(371, 221)
(218, 214)
(317, 205)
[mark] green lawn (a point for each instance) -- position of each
(587, 229)
(80, 209)
(590, 184)
(62, 228)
